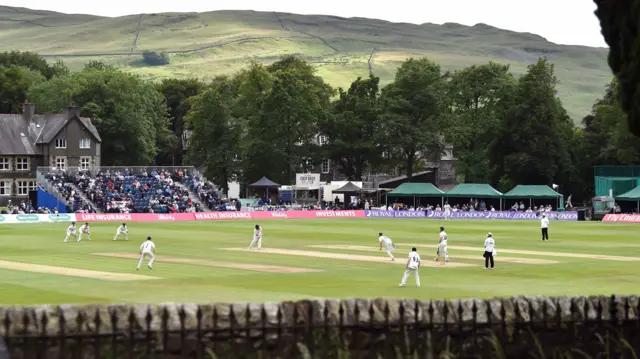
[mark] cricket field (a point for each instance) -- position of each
(202, 262)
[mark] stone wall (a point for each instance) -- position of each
(466, 317)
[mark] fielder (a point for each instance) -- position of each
(388, 243)
(71, 231)
(447, 212)
(147, 249)
(442, 246)
(257, 237)
(122, 230)
(84, 229)
(413, 264)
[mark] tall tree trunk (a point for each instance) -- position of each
(410, 159)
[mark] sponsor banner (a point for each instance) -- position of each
(523, 216)
(216, 216)
(308, 180)
(306, 214)
(395, 214)
(624, 218)
(36, 218)
(134, 217)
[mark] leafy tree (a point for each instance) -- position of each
(281, 119)
(287, 126)
(15, 82)
(34, 62)
(97, 65)
(413, 108)
(532, 145)
(130, 115)
(477, 97)
(153, 58)
(215, 143)
(618, 20)
(352, 130)
(177, 94)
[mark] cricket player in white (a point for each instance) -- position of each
(489, 251)
(122, 230)
(71, 231)
(413, 264)
(447, 212)
(388, 243)
(544, 224)
(442, 246)
(84, 229)
(147, 249)
(257, 237)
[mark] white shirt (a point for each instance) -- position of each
(489, 244)
(257, 233)
(443, 237)
(122, 229)
(148, 247)
(447, 208)
(386, 240)
(84, 228)
(71, 229)
(544, 222)
(414, 260)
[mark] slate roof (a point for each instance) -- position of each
(15, 137)
(19, 138)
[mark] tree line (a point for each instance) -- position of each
(265, 120)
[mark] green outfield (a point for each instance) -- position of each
(332, 258)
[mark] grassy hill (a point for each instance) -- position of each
(207, 44)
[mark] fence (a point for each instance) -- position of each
(519, 327)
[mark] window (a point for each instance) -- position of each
(323, 140)
(33, 186)
(5, 164)
(23, 188)
(61, 143)
(85, 143)
(324, 167)
(5, 188)
(22, 164)
(85, 163)
(61, 163)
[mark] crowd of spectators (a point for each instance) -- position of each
(127, 191)
(75, 203)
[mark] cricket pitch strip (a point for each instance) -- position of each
(452, 257)
(383, 258)
(73, 272)
(208, 263)
(538, 253)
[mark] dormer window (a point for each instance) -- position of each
(61, 143)
(85, 143)
(323, 140)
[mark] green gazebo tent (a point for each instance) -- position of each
(633, 195)
(474, 190)
(532, 192)
(416, 190)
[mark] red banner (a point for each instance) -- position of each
(306, 214)
(625, 218)
(213, 216)
(134, 217)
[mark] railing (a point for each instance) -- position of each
(519, 327)
(132, 169)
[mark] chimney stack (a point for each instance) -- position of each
(28, 111)
(72, 111)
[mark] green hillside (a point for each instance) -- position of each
(207, 44)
